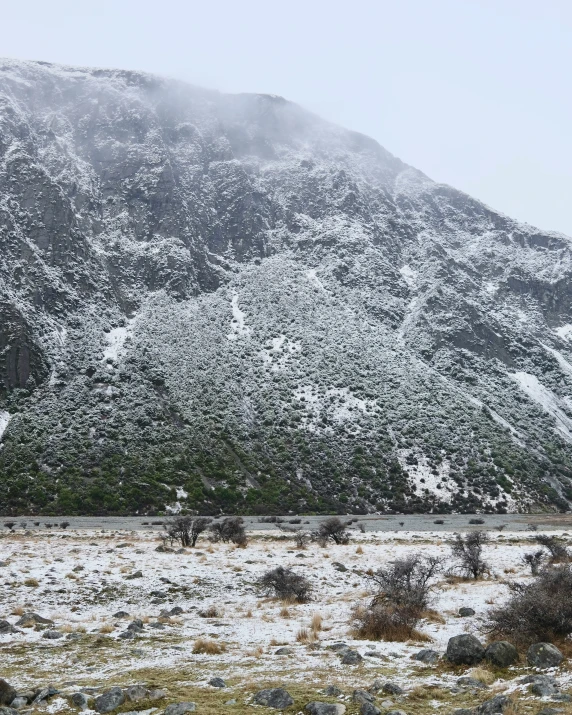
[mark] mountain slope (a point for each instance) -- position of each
(224, 303)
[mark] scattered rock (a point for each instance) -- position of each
(8, 711)
(339, 567)
(549, 711)
(80, 700)
(463, 711)
(337, 646)
(156, 694)
(217, 683)
(464, 612)
(544, 655)
(19, 702)
(109, 700)
(375, 654)
(498, 704)
(121, 614)
(318, 708)
(136, 574)
(392, 689)
(73, 637)
(6, 627)
(396, 712)
(273, 698)
(128, 635)
(180, 708)
(544, 687)
(136, 625)
(30, 619)
(427, 656)
(501, 653)
(332, 691)
(351, 657)
(164, 549)
(52, 635)
(362, 696)
(465, 649)
(369, 709)
(135, 692)
(7, 692)
(284, 651)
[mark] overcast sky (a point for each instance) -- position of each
(475, 93)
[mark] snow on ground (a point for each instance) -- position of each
(337, 404)
(278, 355)
(544, 397)
(564, 331)
(422, 475)
(5, 418)
(408, 275)
(238, 328)
(564, 364)
(80, 579)
(115, 340)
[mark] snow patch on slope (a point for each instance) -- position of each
(5, 418)
(408, 275)
(335, 404)
(277, 356)
(544, 397)
(238, 327)
(424, 479)
(564, 331)
(116, 339)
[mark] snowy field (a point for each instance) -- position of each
(80, 580)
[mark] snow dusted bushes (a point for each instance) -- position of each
(332, 529)
(534, 560)
(403, 592)
(286, 584)
(558, 552)
(187, 529)
(230, 529)
(537, 611)
(468, 552)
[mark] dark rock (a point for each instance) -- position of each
(392, 689)
(273, 698)
(562, 697)
(544, 688)
(544, 655)
(176, 611)
(369, 709)
(30, 619)
(318, 708)
(375, 654)
(465, 649)
(464, 612)
(157, 626)
(427, 656)
(498, 704)
(109, 700)
(156, 694)
(549, 711)
(337, 646)
(19, 702)
(128, 635)
(180, 708)
(362, 696)
(217, 683)
(396, 712)
(74, 637)
(502, 654)
(463, 711)
(136, 574)
(339, 567)
(351, 657)
(7, 692)
(52, 635)
(121, 614)
(332, 691)
(8, 711)
(136, 625)
(7, 627)
(284, 651)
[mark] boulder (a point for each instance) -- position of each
(128, 635)
(392, 689)
(273, 698)
(8, 711)
(217, 683)
(180, 708)
(29, 620)
(544, 688)
(7, 692)
(495, 705)
(109, 700)
(544, 655)
(464, 612)
(362, 696)
(136, 625)
(156, 694)
(369, 709)
(332, 691)
(465, 649)
(284, 651)
(52, 635)
(501, 654)
(426, 655)
(339, 567)
(19, 702)
(136, 574)
(121, 614)
(6, 627)
(351, 657)
(318, 708)
(473, 683)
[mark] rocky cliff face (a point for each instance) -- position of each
(221, 302)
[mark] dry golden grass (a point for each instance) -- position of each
(428, 692)
(18, 611)
(255, 652)
(211, 612)
(207, 647)
(433, 616)
(248, 614)
(359, 550)
(31, 582)
(316, 623)
(107, 628)
(284, 612)
(482, 673)
(72, 576)
(306, 636)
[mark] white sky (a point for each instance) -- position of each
(475, 93)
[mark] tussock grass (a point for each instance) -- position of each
(204, 646)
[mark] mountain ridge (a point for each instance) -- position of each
(225, 296)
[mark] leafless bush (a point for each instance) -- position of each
(558, 551)
(500, 527)
(64, 524)
(537, 611)
(534, 560)
(230, 529)
(403, 592)
(468, 551)
(187, 529)
(478, 520)
(10, 525)
(332, 529)
(284, 583)
(302, 539)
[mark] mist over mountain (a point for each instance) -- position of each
(224, 303)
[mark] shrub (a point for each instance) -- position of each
(534, 560)
(208, 647)
(332, 529)
(537, 611)
(476, 521)
(64, 524)
(302, 539)
(286, 584)
(10, 525)
(187, 529)
(558, 552)
(229, 529)
(468, 551)
(403, 592)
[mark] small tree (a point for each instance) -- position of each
(558, 551)
(332, 529)
(540, 611)
(187, 529)
(468, 551)
(285, 584)
(302, 539)
(403, 592)
(10, 525)
(229, 529)
(534, 560)
(64, 524)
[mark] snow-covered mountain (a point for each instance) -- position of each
(225, 303)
